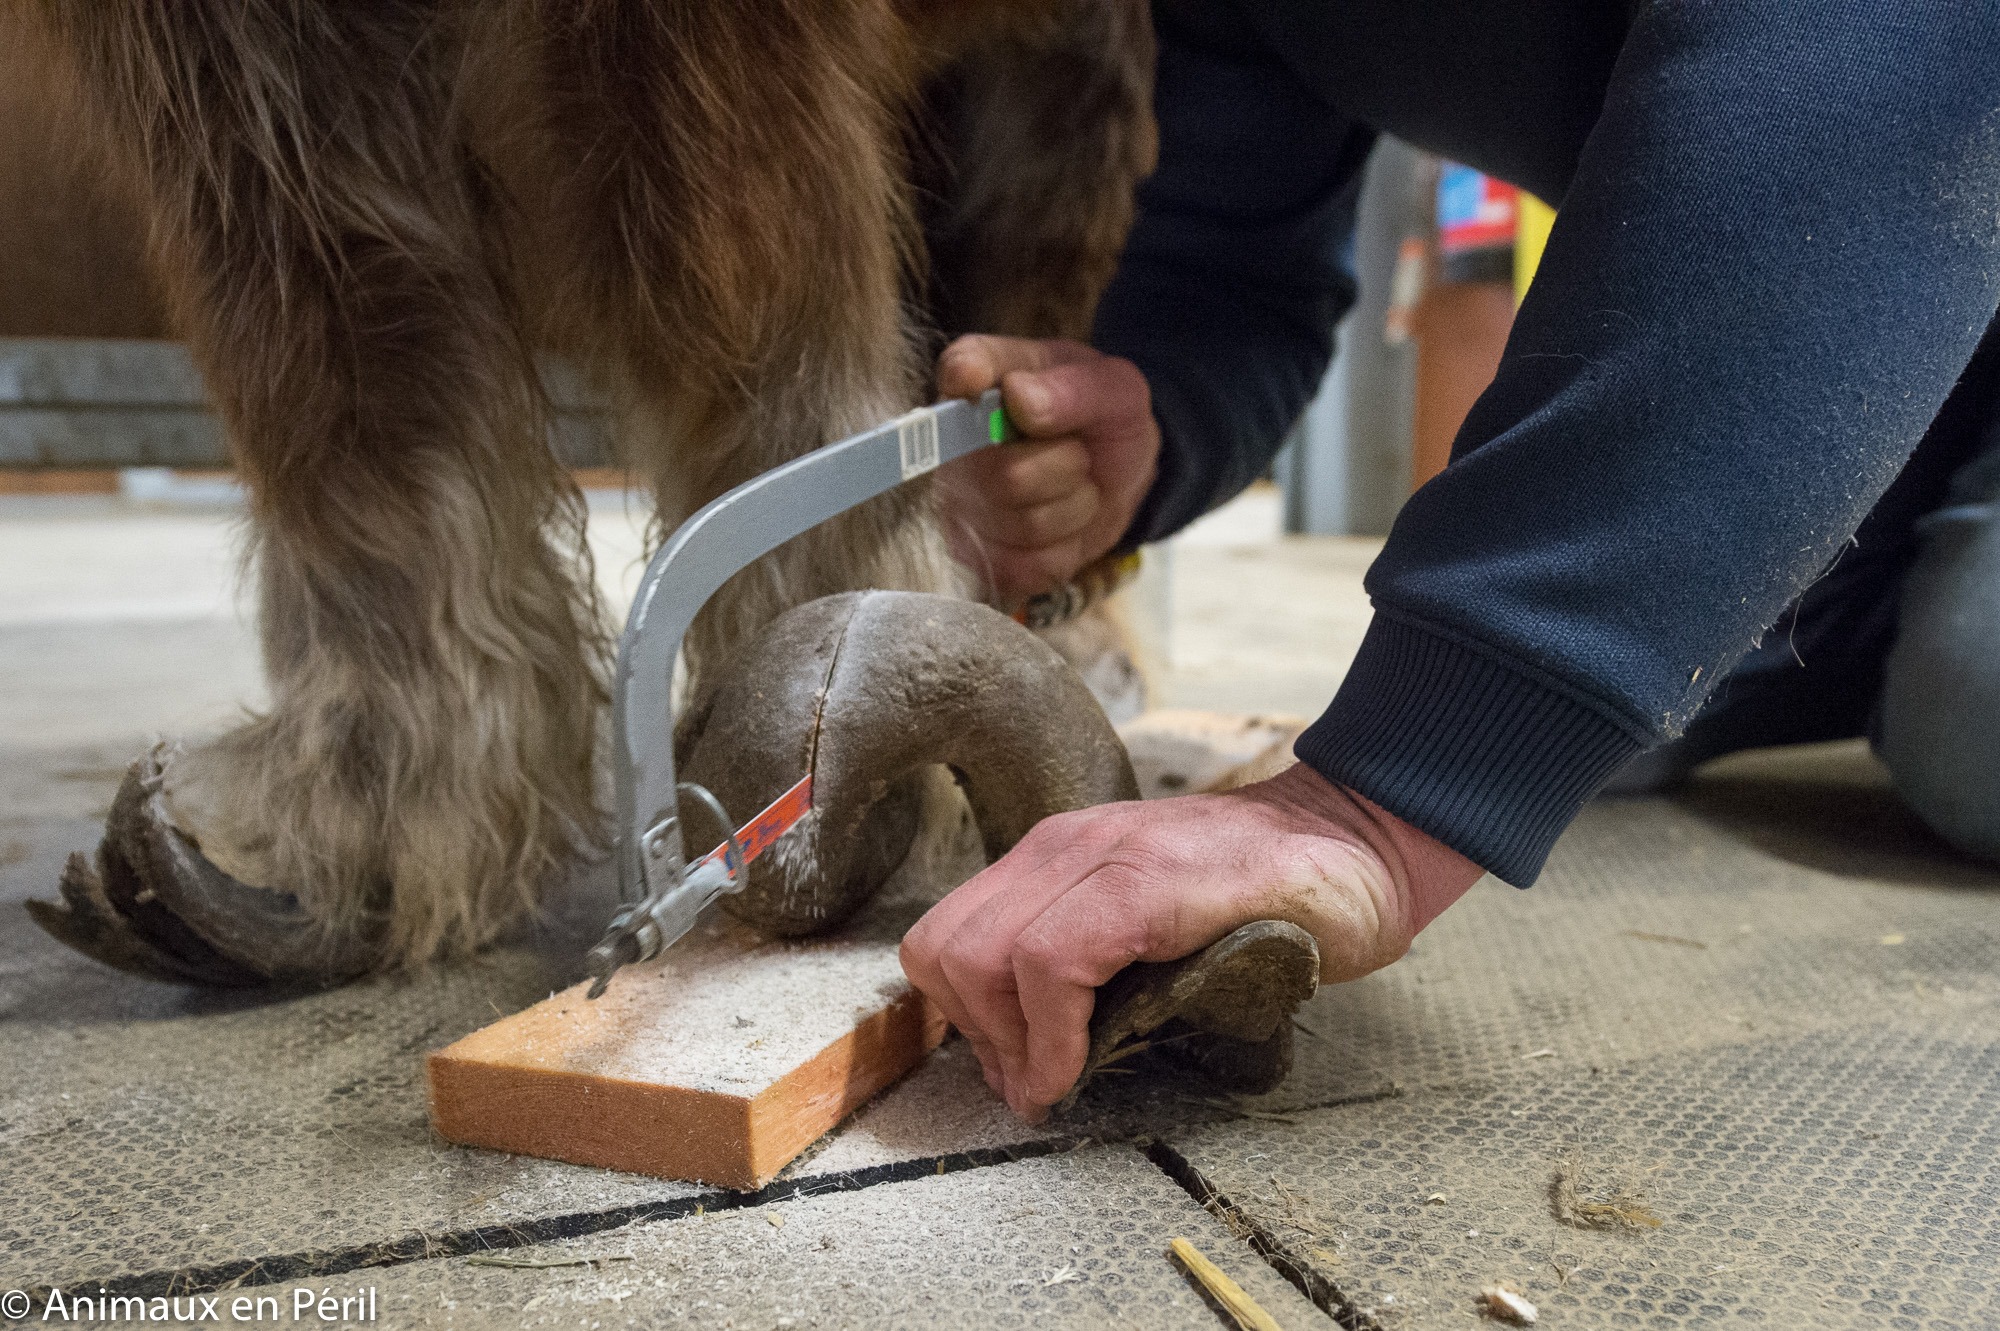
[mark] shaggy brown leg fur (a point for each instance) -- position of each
(728, 196)
(325, 237)
(725, 228)
(1040, 127)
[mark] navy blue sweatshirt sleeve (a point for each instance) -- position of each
(1236, 269)
(1778, 251)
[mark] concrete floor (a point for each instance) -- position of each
(1761, 1014)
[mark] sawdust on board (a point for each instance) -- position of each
(724, 1011)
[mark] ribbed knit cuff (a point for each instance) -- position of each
(1466, 745)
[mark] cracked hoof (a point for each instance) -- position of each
(152, 905)
(1224, 1012)
(865, 690)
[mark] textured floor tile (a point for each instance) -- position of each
(147, 1126)
(1651, 931)
(1076, 1240)
(1835, 1179)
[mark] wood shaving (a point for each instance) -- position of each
(1505, 1303)
(1244, 1310)
(1677, 941)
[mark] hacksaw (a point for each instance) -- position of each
(662, 893)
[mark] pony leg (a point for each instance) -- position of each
(431, 644)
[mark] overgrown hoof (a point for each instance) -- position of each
(151, 904)
(866, 689)
(1223, 1013)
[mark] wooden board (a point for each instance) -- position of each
(716, 1063)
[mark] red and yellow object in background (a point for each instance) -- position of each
(1531, 237)
(1490, 237)
(1462, 322)
(1475, 213)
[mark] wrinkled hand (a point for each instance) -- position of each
(1026, 518)
(1014, 956)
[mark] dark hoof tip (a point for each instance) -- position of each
(1223, 1013)
(150, 904)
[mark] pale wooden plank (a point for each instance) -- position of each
(717, 1063)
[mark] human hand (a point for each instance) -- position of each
(1029, 516)
(1015, 955)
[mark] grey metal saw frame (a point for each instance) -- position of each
(662, 897)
